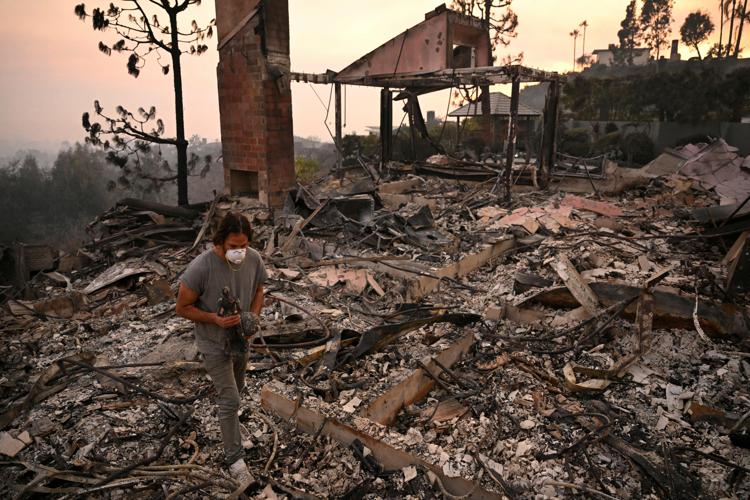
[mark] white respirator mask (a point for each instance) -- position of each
(236, 255)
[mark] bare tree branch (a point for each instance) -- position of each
(127, 136)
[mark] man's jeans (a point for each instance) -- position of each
(228, 375)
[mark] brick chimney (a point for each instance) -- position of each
(674, 55)
(255, 99)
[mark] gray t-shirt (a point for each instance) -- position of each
(207, 275)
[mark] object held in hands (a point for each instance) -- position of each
(229, 306)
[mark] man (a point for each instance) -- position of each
(231, 265)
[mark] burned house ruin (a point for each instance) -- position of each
(426, 334)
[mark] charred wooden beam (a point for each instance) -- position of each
(320, 78)
(670, 310)
(386, 125)
(510, 146)
(738, 275)
(422, 280)
(387, 456)
(159, 208)
(339, 145)
(576, 285)
(416, 386)
(425, 285)
(485, 75)
(549, 132)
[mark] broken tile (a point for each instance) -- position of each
(10, 446)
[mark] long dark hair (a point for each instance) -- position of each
(232, 223)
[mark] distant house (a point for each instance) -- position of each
(607, 57)
(529, 118)
(499, 106)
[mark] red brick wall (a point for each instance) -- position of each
(231, 12)
(255, 108)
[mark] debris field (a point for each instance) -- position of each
(420, 339)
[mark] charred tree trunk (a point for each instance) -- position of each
(179, 112)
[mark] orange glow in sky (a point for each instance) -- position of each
(53, 70)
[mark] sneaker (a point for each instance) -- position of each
(241, 474)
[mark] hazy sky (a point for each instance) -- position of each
(52, 70)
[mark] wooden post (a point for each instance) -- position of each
(511, 145)
(488, 124)
(339, 145)
(549, 133)
(412, 131)
(386, 126)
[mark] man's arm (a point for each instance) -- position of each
(257, 304)
(186, 299)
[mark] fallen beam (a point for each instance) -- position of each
(738, 275)
(377, 337)
(416, 386)
(670, 310)
(720, 213)
(395, 201)
(598, 207)
(401, 187)
(424, 285)
(420, 285)
(159, 208)
(388, 457)
(576, 285)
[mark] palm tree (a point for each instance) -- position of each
(584, 25)
(743, 18)
(575, 34)
(731, 24)
(721, 27)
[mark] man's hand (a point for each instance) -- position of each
(226, 322)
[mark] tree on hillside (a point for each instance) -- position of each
(498, 13)
(585, 61)
(143, 34)
(718, 49)
(574, 34)
(711, 96)
(742, 16)
(23, 194)
(735, 95)
(656, 21)
(501, 23)
(730, 11)
(76, 182)
(629, 35)
(696, 29)
(735, 13)
(585, 25)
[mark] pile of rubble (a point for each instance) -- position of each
(420, 339)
